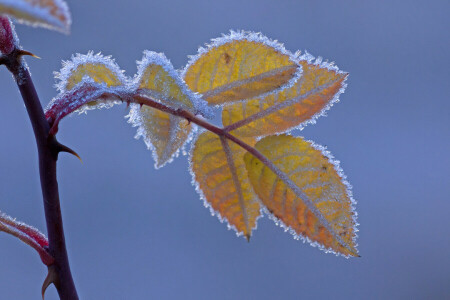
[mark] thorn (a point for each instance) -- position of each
(51, 278)
(141, 104)
(128, 104)
(24, 52)
(63, 148)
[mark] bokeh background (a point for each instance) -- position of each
(137, 233)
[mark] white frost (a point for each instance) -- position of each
(150, 58)
(240, 35)
(90, 58)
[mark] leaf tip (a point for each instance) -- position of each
(247, 237)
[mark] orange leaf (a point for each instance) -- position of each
(315, 92)
(219, 172)
(240, 66)
(52, 14)
(306, 191)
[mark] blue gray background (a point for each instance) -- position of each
(137, 233)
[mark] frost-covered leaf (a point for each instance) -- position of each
(239, 66)
(27, 234)
(52, 14)
(164, 133)
(86, 82)
(219, 173)
(315, 92)
(305, 190)
(84, 96)
(101, 69)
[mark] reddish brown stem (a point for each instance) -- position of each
(202, 123)
(48, 149)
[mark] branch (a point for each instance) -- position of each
(48, 149)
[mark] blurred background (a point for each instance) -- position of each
(137, 233)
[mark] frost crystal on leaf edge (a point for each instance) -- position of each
(206, 204)
(250, 36)
(349, 193)
(78, 59)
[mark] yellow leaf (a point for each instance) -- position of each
(240, 66)
(52, 14)
(314, 93)
(164, 133)
(101, 69)
(304, 190)
(219, 171)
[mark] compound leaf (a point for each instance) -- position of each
(306, 191)
(51, 14)
(219, 172)
(315, 92)
(239, 66)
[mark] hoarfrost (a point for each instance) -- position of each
(174, 93)
(163, 150)
(86, 95)
(250, 36)
(331, 67)
(84, 59)
(202, 196)
(298, 191)
(154, 58)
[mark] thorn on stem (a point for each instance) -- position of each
(63, 148)
(24, 52)
(51, 278)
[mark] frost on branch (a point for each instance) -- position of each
(27, 234)
(51, 14)
(239, 66)
(162, 132)
(86, 95)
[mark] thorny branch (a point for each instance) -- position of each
(48, 149)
